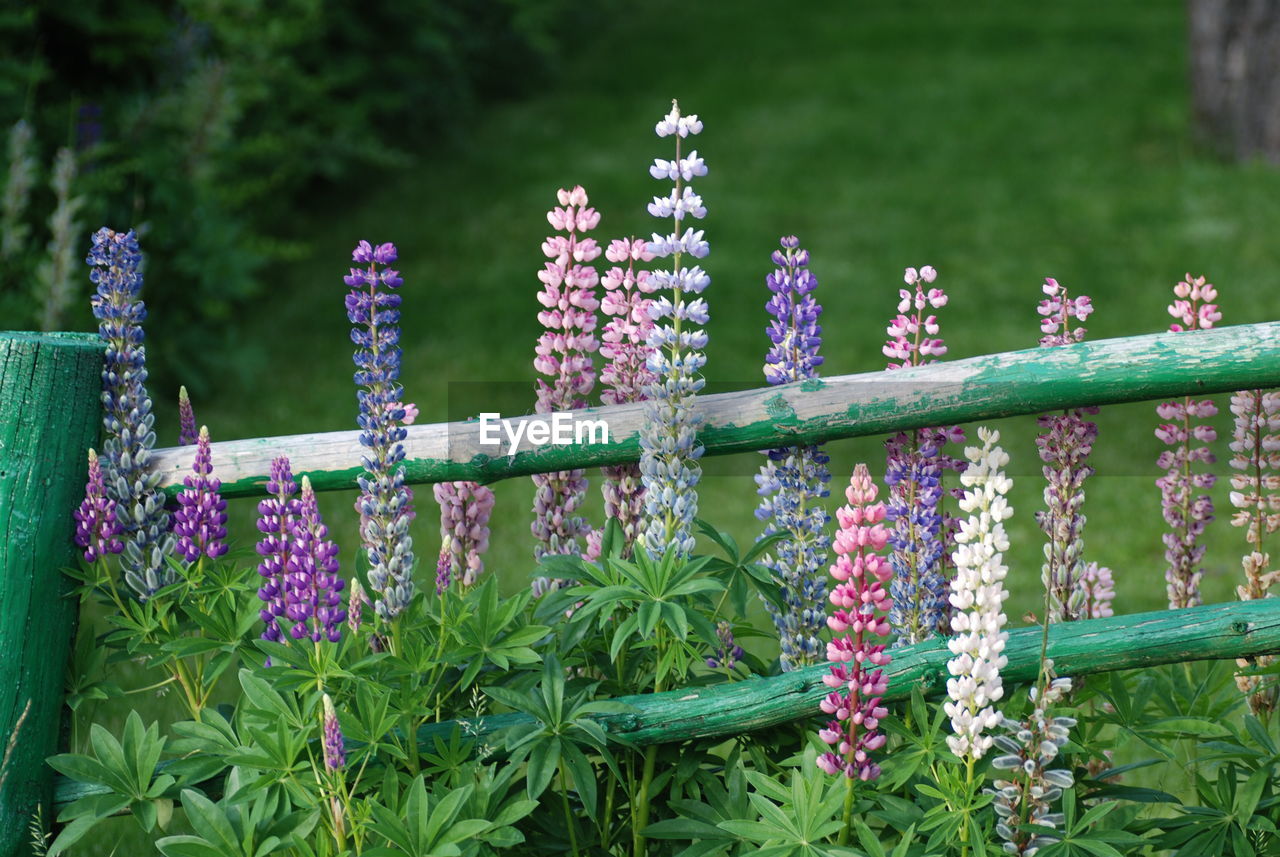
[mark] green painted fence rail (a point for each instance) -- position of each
(957, 391)
(49, 411)
(1209, 632)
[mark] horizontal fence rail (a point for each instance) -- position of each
(1210, 632)
(959, 391)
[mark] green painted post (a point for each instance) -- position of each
(49, 416)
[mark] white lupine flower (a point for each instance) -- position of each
(978, 595)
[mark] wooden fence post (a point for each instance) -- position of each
(49, 416)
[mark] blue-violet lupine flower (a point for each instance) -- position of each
(728, 652)
(97, 528)
(1064, 444)
(563, 354)
(1185, 512)
(335, 753)
(465, 508)
(276, 517)
(914, 469)
(625, 344)
(312, 587)
(200, 521)
(127, 416)
(385, 502)
(793, 482)
(187, 433)
(978, 595)
(669, 443)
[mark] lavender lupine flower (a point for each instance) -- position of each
(857, 661)
(624, 343)
(1186, 512)
(465, 508)
(276, 517)
(355, 606)
(913, 471)
(385, 502)
(335, 753)
(200, 521)
(1255, 493)
(978, 596)
(1028, 749)
(1065, 444)
(443, 575)
(187, 433)
(97, 528)
(793, 482)
(1095, 591)
(54, 274)
(669, 440)
(564, 355)
(312, 587)
(127, 416)
(728, 652)
(17, 190)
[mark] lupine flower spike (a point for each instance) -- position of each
(913, 471)
(276, 517)
(728, 652)
(200, 523)
(187, 433)
(335, 753)
(127, 417)
(977, 596)
(313, 589)
(54, 275)
(624, 343)
(17, 190)
(97, 528)
(1185, 511)
(857, 658)
(1255, 494)
(465, 508)
(564, 356)
(385, 502)
(793, 482)
(1096, 590)
(669, 440)
(1065, 443)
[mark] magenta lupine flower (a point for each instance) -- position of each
(465, 508)
(386, 503)
(1095, 590)
(857, 676)
(563, 355)
(312, 587)
(97, 528)
(624, 343)
(1186, 511)
(1064, 444)
(914, 467)
(200, 523)
(276, 517)
(187, 433)
(335, 752)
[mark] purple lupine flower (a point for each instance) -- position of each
(1064, 444)
(669, 443)
(335, 752)
(385, 502)
(624, 343)
(97, 528)
(187, 433)
(563, 355)
(1185, 511)
(200, 522)
(312, 587)
(914, 467)
(857, 676)
(465, 508)
(443, 575)
(728, 652)
(277, 515)
(355, 606)
(127, 417)
(793, 482)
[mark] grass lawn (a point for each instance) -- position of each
(1000, 143)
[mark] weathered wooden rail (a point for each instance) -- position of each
(49, 412)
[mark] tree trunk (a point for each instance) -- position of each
(1235, 76)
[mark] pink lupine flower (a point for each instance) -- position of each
(860, 601)
(1095, 590)
(465, 508)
